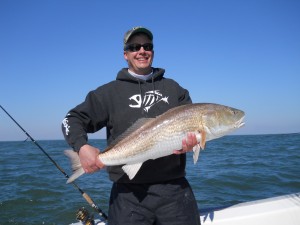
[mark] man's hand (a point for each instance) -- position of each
(89, 159)
(187, 144)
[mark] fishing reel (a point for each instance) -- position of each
(84, 216)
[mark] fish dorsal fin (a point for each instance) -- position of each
(136, 125)
(132, 169)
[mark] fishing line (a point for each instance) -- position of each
(84, 195)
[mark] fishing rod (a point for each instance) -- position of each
(84, 195)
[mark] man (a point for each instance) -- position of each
(159, 193)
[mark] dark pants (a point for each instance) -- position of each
(167, 203)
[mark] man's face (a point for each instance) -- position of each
(139, 61)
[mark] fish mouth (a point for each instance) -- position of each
(240, 122)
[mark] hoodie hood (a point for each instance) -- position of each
(124, 75)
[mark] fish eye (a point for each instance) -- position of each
(234, 112)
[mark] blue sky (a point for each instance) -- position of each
(244, 54)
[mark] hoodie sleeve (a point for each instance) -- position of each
(183, 95)
(88, 117)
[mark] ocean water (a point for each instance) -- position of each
(231, 170)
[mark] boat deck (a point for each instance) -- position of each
(276, 211)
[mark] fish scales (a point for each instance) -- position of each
(158, 138)
(162, 135)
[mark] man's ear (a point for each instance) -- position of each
(125, 55)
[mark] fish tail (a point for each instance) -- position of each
(75, 164)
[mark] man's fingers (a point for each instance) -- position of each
(188, 143)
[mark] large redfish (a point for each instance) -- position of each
(160, 136)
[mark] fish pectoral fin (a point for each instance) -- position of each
(75, 164)
(132, 169)
(196, 150)
(203, 139)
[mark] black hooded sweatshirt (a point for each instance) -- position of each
(117, 106)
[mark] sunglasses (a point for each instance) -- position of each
(137, 47)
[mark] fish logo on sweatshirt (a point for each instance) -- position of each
(148, 100)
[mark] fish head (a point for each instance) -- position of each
(219, 120)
